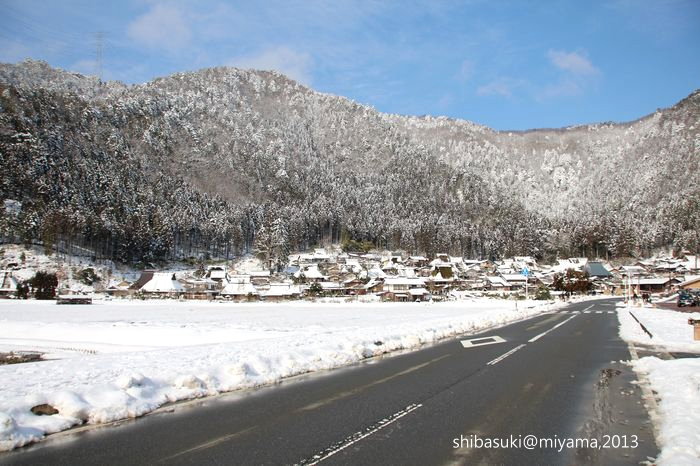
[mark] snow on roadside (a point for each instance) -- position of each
(670, 329)
(151, 353)
(676, 382)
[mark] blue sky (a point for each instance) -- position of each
(505, 64)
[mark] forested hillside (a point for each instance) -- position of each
(225, 161)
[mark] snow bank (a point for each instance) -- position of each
(125, 359)
(677, 383)
(670, 328)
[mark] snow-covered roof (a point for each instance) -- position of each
(437, 262)
(236, 279)
(376, 272)
(576, 263)
(513, 277)
(418, 291)
(330, 286)
(311, 272)
(281, 290)
(217, 274)
(162, 282)
(239, 288)
(405, 281)
(408, 272)
(690, 279)
(372, 283)
(352, 262)
(633, 269)
(118, 285)
(497, 281)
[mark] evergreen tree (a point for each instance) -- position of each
(44, 285)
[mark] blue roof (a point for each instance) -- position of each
(596, 269)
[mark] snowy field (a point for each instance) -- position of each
(676, 382)
(115, 360)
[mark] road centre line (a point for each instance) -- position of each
(209, 444)
(357, 436)
(553, 328)
(505, 355)
(357, 390)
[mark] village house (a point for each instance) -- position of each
(118, 289)
(417, 261)
(597, 270)
(631, 271)
(260, 278)
(310, 274)
(496, 283)
(162, 285)
(651, 285)
(240, 288)
(573, 263)
(145, 277)
(331, 288)
(373, 286)
(405, 289)
(440, 281)
(280, 292)
(691, 283)
(218, 273)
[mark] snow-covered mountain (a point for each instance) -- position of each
(225, 159)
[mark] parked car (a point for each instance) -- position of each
(688, 299)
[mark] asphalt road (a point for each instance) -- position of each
(552, 377)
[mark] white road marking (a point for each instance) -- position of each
(598, 312)
(588, 308)
(357, 436)
(586, 312)
(357, 390)
(505, 355)
(553, 328)
(474, 342)
(611, 312)
(209, 444)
